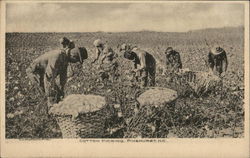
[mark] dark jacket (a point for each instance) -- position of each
(173, 60)
(218, 62)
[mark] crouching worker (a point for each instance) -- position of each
(144, 64)
(217, 60)
(44, 71)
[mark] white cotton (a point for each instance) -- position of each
(78, 103)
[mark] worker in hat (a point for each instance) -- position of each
(44, 70)
(107, 60)
(217, 61)
(144, 64)
(173, 61)
(66, 44)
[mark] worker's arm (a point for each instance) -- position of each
(210, 62)
(63, 79)
(179, 64)
(224, 62)
(142, 59)
(30, 71)
(168, 63)
(103, 58)
(34, 78)
(110, 54)
(50, 74)
(98, 53)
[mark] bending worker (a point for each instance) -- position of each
(173, 60)
(217, 60)
(107, 59)
(144, 64)
(44, 70)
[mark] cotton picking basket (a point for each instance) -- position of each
(81, 116)
(157, 96)
(201, 82)
(155, 104)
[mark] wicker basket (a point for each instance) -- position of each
(153, 116)
(89, 124)
(201, 82)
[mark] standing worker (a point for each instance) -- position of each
(144, 64)
(173, 60)
(107, 59)
(44, 70)
(217, 60)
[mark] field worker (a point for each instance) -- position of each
(44, 70)
(144, 64)
(173, 60)
(217, 61)
(107, 59)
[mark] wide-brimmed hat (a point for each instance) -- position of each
(125, 47)
(64, 40)
(128, 55)
(98, 43)
(216, 50)
(169, 49)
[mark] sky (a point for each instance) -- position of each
(121, 17)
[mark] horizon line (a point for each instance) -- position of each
(241, 26)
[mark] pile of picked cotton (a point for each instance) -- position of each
(157, 96)
(76, 104)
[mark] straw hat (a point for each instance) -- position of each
(98, 43)
(216, 50)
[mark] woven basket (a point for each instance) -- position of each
(201, 82)
(85, 124)
(156, 104)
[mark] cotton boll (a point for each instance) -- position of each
(10, 115)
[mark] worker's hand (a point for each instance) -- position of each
(137, 70)
(61, 88)
(134, 71)
(61, 95)
(164, 72)
(222, 75)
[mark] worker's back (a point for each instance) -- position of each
(53, 60)
(149, 59)
(108, 53)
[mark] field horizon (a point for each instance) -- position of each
(145, 30)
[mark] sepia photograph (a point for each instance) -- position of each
(128, 71)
